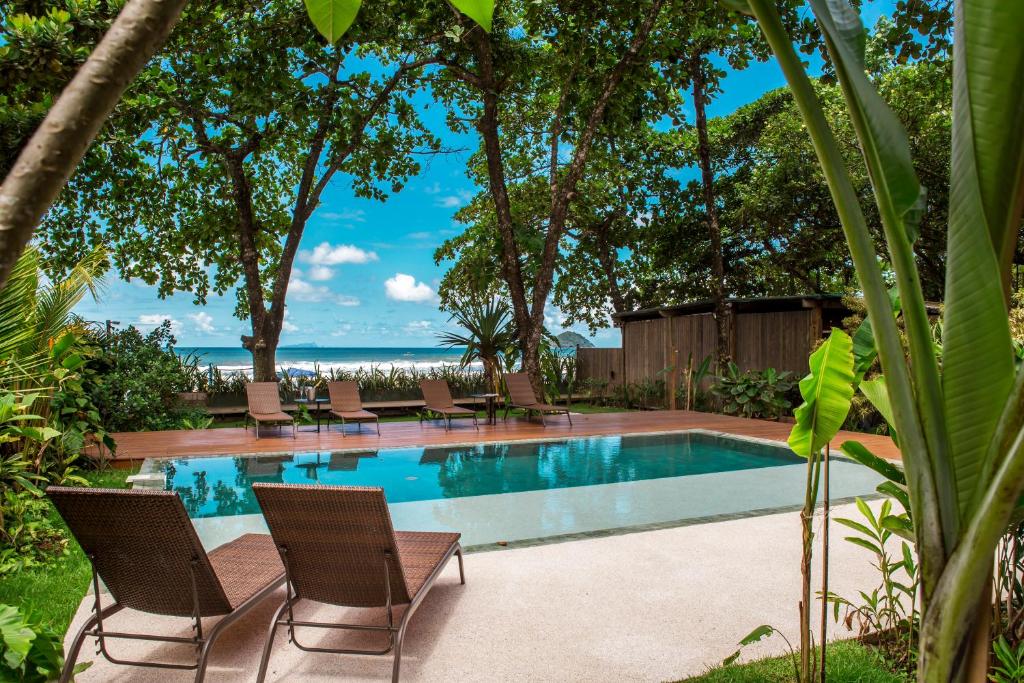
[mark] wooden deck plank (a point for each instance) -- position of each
(136, 446)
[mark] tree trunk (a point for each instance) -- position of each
(707, 178)
(264, 357)
(51, 154)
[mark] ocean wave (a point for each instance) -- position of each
(309, 367)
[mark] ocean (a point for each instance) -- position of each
(301, 359)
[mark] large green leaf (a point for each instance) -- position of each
(332, 17)
(878, 394)
(883, 139)
(988, 101)
(859, 452)
(827, 392)
(480, 11)
(977, 352)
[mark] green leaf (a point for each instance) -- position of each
(17, 636)
(899, 525)
(480, 11)
(878, 394)
(883, 139)
(864, 544)
(758, 634)
(332, 17)
(984, 204)
(857, 451)
(827, 392)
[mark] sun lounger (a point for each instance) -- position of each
(347, 406)
(521, 395)
(143, 546)
(439, 401)
(265, 406)
(339, 548)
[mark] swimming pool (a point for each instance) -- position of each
(522, 490)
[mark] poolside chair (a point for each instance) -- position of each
(143, 546)
(439, 401)
(521, 395)
(347, 406)
(265, 406)
(339, 548)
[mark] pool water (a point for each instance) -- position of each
(215, 487)
(522, 491)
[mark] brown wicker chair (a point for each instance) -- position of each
(339, 548)
(521, 395)
(144, 547)
(347, 406)
(265, 406)
(439, 401)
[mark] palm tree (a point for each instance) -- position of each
(35, 313)
(489, 331)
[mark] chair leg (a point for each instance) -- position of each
(462, 570)
(568, 415)
(378, 426)
(399, 637)
(76, 646)
(269, 645)
(343, 428)
(476, 423)
(542, 420)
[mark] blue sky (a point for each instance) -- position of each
(367, 275)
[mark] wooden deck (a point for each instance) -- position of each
(137, 446)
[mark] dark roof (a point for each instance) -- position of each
(745, 305)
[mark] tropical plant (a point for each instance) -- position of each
(489, 331)
(961, 426)
(1010, 667)
(754, 393)
(30, 651)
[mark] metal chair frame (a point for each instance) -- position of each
(446, 418)
(396, 634)
(93, 627)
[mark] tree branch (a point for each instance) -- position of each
(60, 142)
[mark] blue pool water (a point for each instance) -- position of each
(221, 486)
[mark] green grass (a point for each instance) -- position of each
(53, 593)
(848, 662)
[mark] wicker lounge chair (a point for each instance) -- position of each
(143, 546)
(521, 395)
(439, 401)
(347, 406)
(265, 406)
(339, 548)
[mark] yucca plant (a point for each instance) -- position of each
(489, 331)
(961, 426)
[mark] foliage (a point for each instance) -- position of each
(1010, 667)
(489, 331)
(754, 393)
(848, 662)
(32, 651)
(135, 379)
(890, 609)
(959, 425)
(28, 536)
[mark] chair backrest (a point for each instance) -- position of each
(263, 398)
(436, 393)
(519, 389)
(143, 546)
(335, 541)
(344, 396)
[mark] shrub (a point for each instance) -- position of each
(32, 652)
(135, 380)
(754, 393)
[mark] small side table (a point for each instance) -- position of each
(314, 406)
(491, 406)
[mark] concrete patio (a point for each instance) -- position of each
(645, 606)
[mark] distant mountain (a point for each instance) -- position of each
(304, 345)
(570, 340)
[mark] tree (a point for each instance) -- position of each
(550, 71)
(961, 424)
(235, 151)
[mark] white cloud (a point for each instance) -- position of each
(152, 320)
(203, 321)
(419, 236)
(454, 201)
(326, 254)
(320, 273)
(404, 287)
(418, 326)
(289, 327)
(353, 215)
(300, 290)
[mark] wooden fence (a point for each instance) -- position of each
(758, 340)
